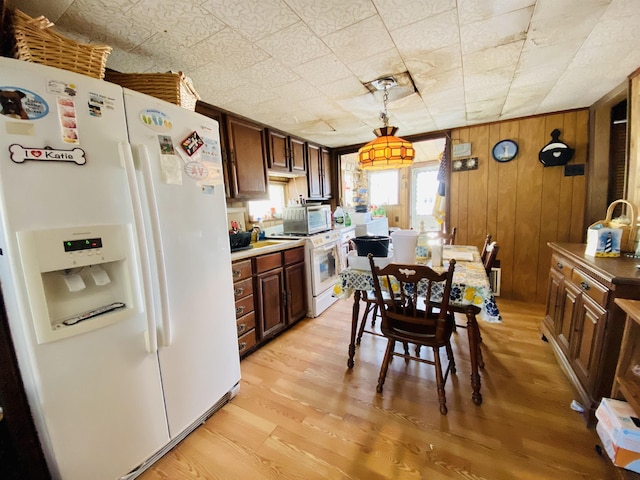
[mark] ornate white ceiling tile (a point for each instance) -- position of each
(103, 22)
(363, 39)
(615, 31)
(52, 9)
(323, 70)
(397, 13)
(185, 21)
(297, 90)
(344, 88)
(254, 19)
(500, 57)
(294, 45)
(430, 34)
(380, 65)
(270, 72)
(164, 51)
(495, 31)
(428, 84)
(487, 92)
(231, 50)
(471, 11)
(327, 16)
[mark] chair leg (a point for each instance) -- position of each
(440, 381)
(374, 315)
(480, 359)
(363, 322)
(452, 360)
(406, 351)
(391, 345)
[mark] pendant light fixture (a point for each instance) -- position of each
(386, 151)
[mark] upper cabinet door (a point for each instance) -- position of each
(298, 155)
(327, 172)
(248, 166)
(314, 171)
(278, 151)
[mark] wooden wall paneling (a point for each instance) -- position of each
(578, 225)
(464, 209)
(551, 178)
(568, 136)
(528, 205)
(453, 190)
(477, 220)
(493, 199)
(507, 188)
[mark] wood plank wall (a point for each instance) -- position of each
(521, 203)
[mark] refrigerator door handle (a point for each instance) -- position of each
(150, 334)
(145, 163)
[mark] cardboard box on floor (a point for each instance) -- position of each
(619, 433)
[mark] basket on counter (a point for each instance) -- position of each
(173, 87)
(628, 225)
(36, 42)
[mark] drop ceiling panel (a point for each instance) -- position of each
(300, 65)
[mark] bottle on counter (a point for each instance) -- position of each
(422, 249)
(347, 219)
(338, 217)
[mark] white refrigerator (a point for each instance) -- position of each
(115, 268)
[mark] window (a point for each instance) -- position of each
(272, 208)
(383, 187)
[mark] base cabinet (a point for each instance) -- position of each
(274, 299)
(583, 324)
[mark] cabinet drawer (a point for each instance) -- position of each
(268, 261)
(246, 323)
(241, 269)
(561, 265)
(242, 288)
(293, 255)
(591, 288)
(244, 306)
(246, 341)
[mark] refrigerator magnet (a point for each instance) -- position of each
(166, 145)
(196, 170)
(192, 143)
(170, 170)
(21, 104)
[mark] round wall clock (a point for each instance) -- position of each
(505, 150)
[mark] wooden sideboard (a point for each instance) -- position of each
(583, 324)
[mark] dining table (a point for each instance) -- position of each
(471, 295)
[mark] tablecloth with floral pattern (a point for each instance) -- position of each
(470, 285)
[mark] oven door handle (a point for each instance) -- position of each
(325, 249)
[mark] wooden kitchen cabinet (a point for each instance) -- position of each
(247, 160)
(295, 285)
(285, 154)
(270, 294)
(319, 172)
(583, 324)
(245, 312)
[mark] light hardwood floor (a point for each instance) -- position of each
(301, 414)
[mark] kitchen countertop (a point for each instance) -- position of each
(269, 246)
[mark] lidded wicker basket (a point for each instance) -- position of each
(173, 87)
(36, 42)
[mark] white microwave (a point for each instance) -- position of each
(306, 219)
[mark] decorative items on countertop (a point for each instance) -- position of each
(609, 237)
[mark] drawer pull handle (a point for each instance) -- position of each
(236, 273)
(239, 310)
(242, 346)
(238, 291)
(559, 265)
(242, 327)
(585, 286)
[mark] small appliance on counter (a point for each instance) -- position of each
(306, 219)
(240, 241)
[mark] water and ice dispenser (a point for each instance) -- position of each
(77, 279)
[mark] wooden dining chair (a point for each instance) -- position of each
(487, 242)
(490, 257)
(409, 316)
(447, 238)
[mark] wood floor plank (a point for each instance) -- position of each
(302, 414)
